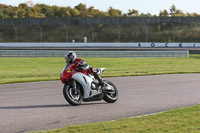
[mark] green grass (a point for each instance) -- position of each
(184, 120)
(13, 70)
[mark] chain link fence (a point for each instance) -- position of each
(105, 29)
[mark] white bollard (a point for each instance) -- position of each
(73, 41)
(85, 39)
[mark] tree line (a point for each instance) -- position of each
(29, 10)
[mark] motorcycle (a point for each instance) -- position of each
(81, 86)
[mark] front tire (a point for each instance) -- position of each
(111, 97)
(71, 97)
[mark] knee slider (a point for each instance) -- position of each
(94, 70)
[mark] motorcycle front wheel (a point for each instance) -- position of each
(73, 97)
(111, 97)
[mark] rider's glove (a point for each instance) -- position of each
(79, 69)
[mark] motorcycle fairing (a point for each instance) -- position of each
(85, 82)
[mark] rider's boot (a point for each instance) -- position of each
(102, 84)
(96, 73)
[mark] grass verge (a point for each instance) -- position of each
(174, 121)
(15, 70)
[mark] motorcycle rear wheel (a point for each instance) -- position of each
(71, 97)
(111, 97)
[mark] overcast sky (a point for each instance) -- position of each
(143, 6)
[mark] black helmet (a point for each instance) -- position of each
(70, 55)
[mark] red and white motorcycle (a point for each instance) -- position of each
(83, 87)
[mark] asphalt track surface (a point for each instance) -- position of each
(41, 105)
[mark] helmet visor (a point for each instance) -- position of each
(68, 60)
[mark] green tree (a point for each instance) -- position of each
(75, 13)
(164, 13)
(57, 11)
(29, 13)
(93, 12)
(132, 13)
(179, 13)
(65, 12)
(29, 10)
(192, 14)
(23, 5)
(47, 10)
(145, 15)
(176, 12)
(21, 11)
(114, 12)
(172, 10)
(37, 13)
(8, 12)
(82, 9)
(1, 14)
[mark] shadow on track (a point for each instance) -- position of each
(45, 106)
(34, 106)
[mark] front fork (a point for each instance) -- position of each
(74, 87)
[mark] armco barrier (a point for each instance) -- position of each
(117, 54)
(112, 45)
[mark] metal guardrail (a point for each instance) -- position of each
(108, 45)
(114, 54)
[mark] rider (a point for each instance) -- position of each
(81, 65)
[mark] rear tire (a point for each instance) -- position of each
(111, 97)
(71, 97)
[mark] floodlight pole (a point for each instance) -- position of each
(92, 32)
(119, 30)
(15, 31)
(66, 32)
(41, 35)
(174, 32)
(146, 30)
